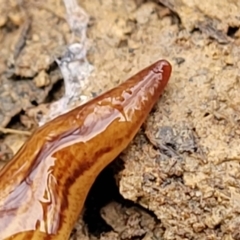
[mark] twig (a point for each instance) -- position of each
(14, 131)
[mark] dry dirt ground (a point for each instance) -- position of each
(180, 177)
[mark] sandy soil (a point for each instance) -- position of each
(179, 178)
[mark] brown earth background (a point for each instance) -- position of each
(180, 177)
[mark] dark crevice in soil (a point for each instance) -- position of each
(104, 191)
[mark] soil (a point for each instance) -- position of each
(179, 178)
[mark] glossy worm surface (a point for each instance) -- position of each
(44, 187)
